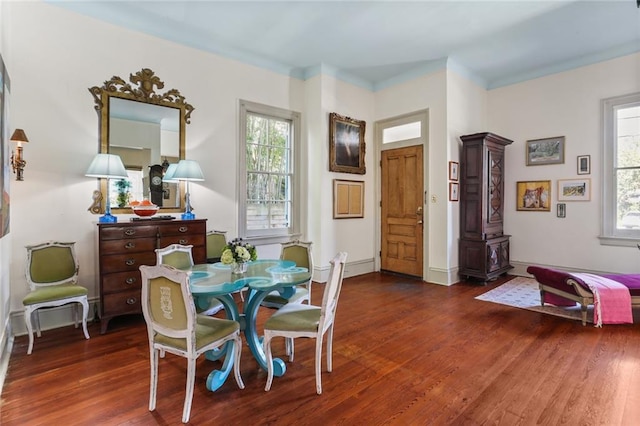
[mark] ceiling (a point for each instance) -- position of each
(375, 44)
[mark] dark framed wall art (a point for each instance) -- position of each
(346, 144)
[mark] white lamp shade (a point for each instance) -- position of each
(188, 170)
(169, 175)
(107, 166)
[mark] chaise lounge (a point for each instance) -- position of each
(561, 288)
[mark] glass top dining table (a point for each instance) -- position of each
(262, 276)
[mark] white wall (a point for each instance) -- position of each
(354, 236)
(565, 104)
(5, 242)
(466, 114)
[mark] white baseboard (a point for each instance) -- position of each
(520, 269)
(442, 276)
(6, 345)
(351, 269)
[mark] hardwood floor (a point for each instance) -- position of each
(405, 352)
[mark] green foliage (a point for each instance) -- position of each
(123, 186)
(628, 174)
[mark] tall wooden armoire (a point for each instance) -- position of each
(484, 249)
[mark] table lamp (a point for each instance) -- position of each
(188, 170)
(169, 174)
(107, 166)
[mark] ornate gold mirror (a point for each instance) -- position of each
(148, 131)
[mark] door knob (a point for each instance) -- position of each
(420, 222)
(419, 211)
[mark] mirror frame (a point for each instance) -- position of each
(141, 89)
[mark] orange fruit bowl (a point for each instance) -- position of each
(145, 211)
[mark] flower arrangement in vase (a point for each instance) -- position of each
(237, 253)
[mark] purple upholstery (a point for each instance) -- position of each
(557, 279)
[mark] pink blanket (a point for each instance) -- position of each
(612, 300)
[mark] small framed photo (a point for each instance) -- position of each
(348, 199)
(533, 196)
(453, 170)
(584, 164)
(561, 210)
(545, 151)
(574, 189)
(454, 191)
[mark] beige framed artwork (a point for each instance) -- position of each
(348, 199)
(574, 189)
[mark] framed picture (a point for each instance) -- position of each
(453, 170)
(346, 144)
(584, 164)
(533, 196)
(4, 149)
(454, 190)
(348, 199)
(574, 189)
(545, 151)
(561, 210)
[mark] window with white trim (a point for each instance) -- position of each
(621, 170)
(269, 140)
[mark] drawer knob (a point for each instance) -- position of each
(130, 262)
(129, 245)
(183, 242)
(130, 280)
(130, 231)
(183, 229)
(131, 301)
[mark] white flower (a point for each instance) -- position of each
(227, 257)
(242, 254)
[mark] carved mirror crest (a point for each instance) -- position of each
(147, 129)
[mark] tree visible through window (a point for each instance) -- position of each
(621, 211)
(268, 154)
(628, 167)
(268, 165)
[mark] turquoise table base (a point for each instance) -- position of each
(254, 341)
(216, 378)
(262, 277)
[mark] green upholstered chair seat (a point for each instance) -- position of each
(54, 292)
(295, 318)
(274, 298)
(208, 330)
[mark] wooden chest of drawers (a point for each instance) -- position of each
(123, 247)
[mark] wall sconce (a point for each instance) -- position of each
(17, 161)
(188, 170)
(107, 166)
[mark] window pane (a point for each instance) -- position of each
(628, 132)
(628, 168)
(268, 166)
(628, 198)
(402, 132)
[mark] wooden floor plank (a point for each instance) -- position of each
(405, 352)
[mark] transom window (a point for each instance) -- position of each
(267, 165)
(621, 210)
